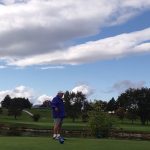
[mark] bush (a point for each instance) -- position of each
(100, 124)
(36, 117)
(85, 117)
(1, 111)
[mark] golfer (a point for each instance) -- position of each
(58, 112)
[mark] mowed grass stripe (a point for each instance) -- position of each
(45, 143)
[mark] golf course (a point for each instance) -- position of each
(74, 75)
(46, 143)
(12, 140)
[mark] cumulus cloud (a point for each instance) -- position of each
(25, 92)
(85, 89)
(42, 98)
(37, 32)
(20, 91)
(123, 85)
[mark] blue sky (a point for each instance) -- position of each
(98, 47)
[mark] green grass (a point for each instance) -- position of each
(46, 122)
(126, 125)
(40, 143)
(135, 127)
(41, 125)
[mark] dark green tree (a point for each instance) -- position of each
(111, 105)
(6, 102)
(67, 103)
(132, 113)
(76, 105)
(121, 112)
(86, 107)
(15, 105)
(99, 105)
(73, 104)
(1, 110)
(143, 102)
(139, 98)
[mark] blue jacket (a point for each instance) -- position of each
(58, 102)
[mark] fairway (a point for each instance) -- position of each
(45, 143)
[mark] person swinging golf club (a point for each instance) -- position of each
(58, 112)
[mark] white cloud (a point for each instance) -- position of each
(52, 67)
(25, 92)
(42, 98)
(37, 32)
(20, 91)
(108, 48)
(7, 2)
(85, 89)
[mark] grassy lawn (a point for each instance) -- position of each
(40, 143)
(126, 125)
(46, 122)
(42, 125)
(29, 123)
(135, 127)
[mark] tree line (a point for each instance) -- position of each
(15, 105)
(132, 104)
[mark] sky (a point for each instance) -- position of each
(97, 47)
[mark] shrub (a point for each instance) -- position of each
(36, 117)
(1, 111)
(85, 117)
(100, 123)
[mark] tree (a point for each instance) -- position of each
(124, 99)
(120, 112)
(6, 102)
(15, 105)
(99, 105)
(1, 111)
(132, 113)
(73, 104)
(67, 103)
(111, 105)
(143, 102)
(76, 104)
(139, 98)
(86, 107)
(45, 104)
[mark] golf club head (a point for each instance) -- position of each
(61, 140)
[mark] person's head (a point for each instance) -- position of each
(60, 93)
